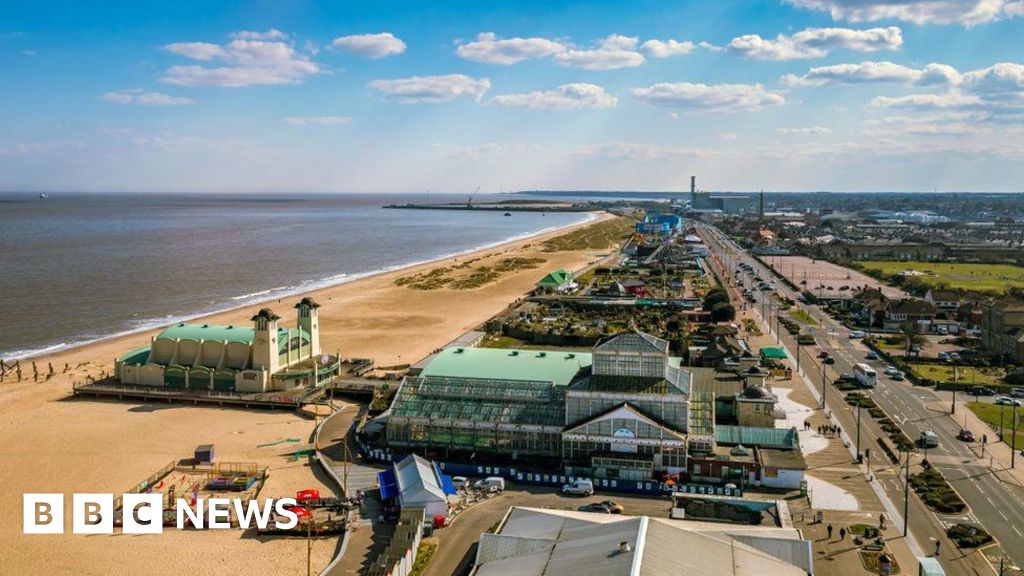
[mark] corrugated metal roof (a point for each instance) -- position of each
(541, 542)
(417, 481)
(557, 367)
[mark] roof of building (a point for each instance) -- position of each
(538, 542)
(417, 480)
(910, 306)
(756, 392)
(307, 302)
(943, 295)
(218, 333)
(633, 342)
(557, 278)
(556, 367)
(787, 459)
(775, 353)
(783, 438)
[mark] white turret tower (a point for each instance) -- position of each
(265, 350)
(310, 322)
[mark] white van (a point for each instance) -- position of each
(579, 488)
(490, 484)
(460, 482)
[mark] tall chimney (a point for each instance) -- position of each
(693, 191)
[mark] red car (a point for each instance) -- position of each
(966, 435)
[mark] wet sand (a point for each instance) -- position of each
(50, 442)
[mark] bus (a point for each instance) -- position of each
(865, 375)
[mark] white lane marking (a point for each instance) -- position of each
(1015, 530)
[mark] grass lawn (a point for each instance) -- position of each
(987, 277)
(989, 413)
(968, 375)
(803, 317)
(501, 342)
(424, 554)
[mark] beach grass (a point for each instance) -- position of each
(597, 236)
(956, 275)
(466, 276)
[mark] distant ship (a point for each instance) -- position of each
(44, 196)
(508, 213)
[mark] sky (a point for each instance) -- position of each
(449, 96)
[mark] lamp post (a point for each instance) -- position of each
(1013, 441)
(858, 432)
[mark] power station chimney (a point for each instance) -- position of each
(693, 191)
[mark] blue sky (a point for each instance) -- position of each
(448, 96)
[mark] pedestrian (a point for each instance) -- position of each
(829, 530)
(842, 534)
(881, 521)
(938, 543)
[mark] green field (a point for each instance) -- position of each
(802, 316)
(967, 375)
(983, 277)
(990, 413)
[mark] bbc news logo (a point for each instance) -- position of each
(144, 513)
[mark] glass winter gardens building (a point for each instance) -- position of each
(263, 358)
(623, 411)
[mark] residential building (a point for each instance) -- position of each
(899, 312)
(1002, 328)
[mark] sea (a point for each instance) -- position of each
(77, 268)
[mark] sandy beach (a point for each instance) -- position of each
(53, 443)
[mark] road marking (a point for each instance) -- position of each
(1015, 530)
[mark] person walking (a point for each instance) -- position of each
(842, 534)
(829, 530)
(881, 522)
(938, 543)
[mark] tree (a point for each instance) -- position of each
(911, 336)
(723, 312)
(713, 297)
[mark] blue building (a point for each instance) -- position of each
(658, 224)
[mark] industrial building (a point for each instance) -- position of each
(264, 358)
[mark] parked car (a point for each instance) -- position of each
(579, 488)
(897, 375)
(460, 482)
(1007, 401)
(858, 334)
(596, 507)
(966, 435)
(890, 370)
(871, 355)
(982, 391)
(1017, 392)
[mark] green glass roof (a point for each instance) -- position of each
(557, 367)
(137, 356)
(782, 438)
(209, 332)
(557, 278)
(774, 353)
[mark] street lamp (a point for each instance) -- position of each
(858, 433)
(906, 498)
(824, 382)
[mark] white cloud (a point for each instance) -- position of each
(1004, 81)
(317, 120)
(874, 72)
(805, 130)
(638, 151)
(815, 43)
(926, 101)
(373, 46)
(484, 149)
(614, 52)
(272, 34)
(142, 98)
(246, 62)
(419, 89)
(490, 49)
(565, 97)
(666, 48)
(718, 97)
(965, 12)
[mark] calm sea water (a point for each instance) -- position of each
(75, 268)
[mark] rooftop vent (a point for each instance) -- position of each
(570, 356)
(514, 353)
(541, 354)
(230, 326)
(458, 351)
(206, 325)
